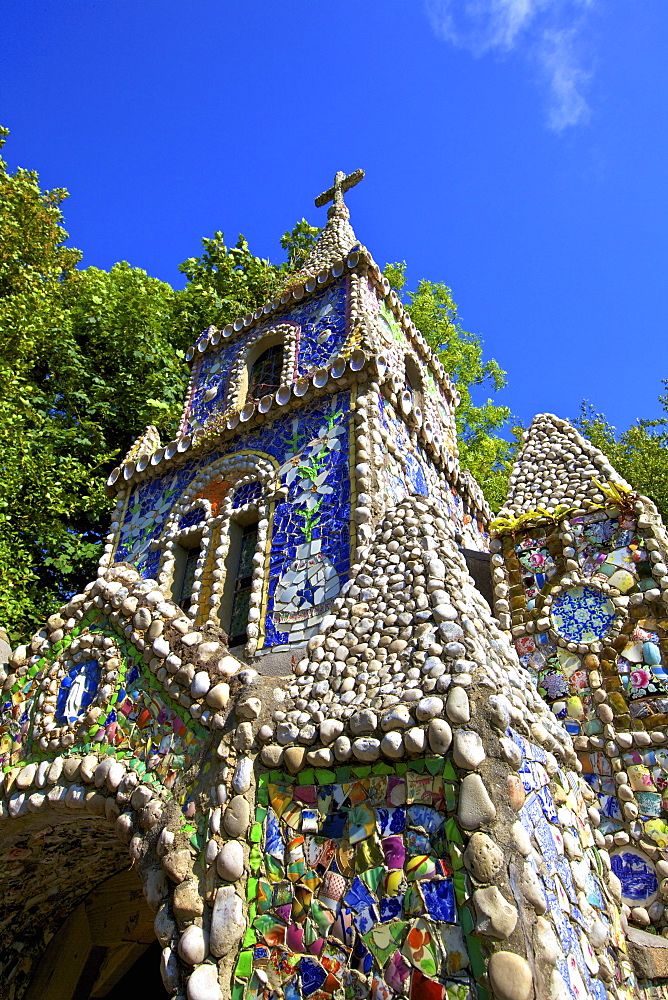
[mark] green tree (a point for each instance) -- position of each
(639, 454)
(482, 448)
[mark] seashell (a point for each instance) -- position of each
(381, 364)
(215, 337)
(232, 421)
(157, 456)
(202, 345)
(142, 462)
(129, 470)
(357, 359)
(353, 258)
(322, 276)
(170, 450)
(337, 269)
(300, 387)
(115, 473)
(247, 412)
(238, 324)
(320, 377)
(406, 401)
(265, 403)
(298, 291)
(283, 395)
(228, 330)
(184, 443)
(338, 368)
(190, 353)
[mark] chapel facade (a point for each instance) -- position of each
(322, 728)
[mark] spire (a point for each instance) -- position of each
(557, 466)
(337, 238)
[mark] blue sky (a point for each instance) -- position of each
(515, 149)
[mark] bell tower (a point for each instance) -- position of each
(302, 422)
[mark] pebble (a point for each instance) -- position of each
(440, 735)
(510, 976)
(237, 816)
(428, 708)
(475, 806)
(496, 917)
(392, 745)
(243, 775)
(330, 729)
(228, 922)
(366, 748)
(203, 984)
(398, 717)
(546, 942)
(230, 861)
(194, 945)
(532, 889)
(363, 723)
(483, 858)
(415, 740)
(468, 751)
(457, 706)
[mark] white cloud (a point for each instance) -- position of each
(547, 32)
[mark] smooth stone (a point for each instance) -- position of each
(342, 748)
(26, 776)
(510, 976)
(323, 757)
(294, 758)
(228, 922)
(236, 817)
(516, 792)
(363, 723)
(272, 755)
(428, 708)
(200, 684)
(170, 970)
(468, 751)
(532, 889)
(194, 945)
(164, 926)
(475, 806)
(230, 861)
(496, 917)
(483, 858)
(392, 745)
(366, 748)
(219, 695)
(545, 942)
(203, 984)
(440, 735)
(457, 707)
(243, 775)
(398, 717)
(511, 752)
(330, 729)
(521, 838)
(415, 740)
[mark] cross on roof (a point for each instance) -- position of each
(341, 184)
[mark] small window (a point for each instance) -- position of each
(235, 600)
(188, 579)
(265, 373)
(413, 379)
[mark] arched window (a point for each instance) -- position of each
(235, 604)
(265, 373)
(186, 564)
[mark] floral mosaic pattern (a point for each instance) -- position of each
(648, 776)
(582, 614)
(358, 876)
(609, 548)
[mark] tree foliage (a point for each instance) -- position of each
(639, 454)
(482, 448)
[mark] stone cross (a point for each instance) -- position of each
(341, 184)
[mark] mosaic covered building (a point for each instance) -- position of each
(351, 737)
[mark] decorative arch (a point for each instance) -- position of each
(285, 334)
(214, 492)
